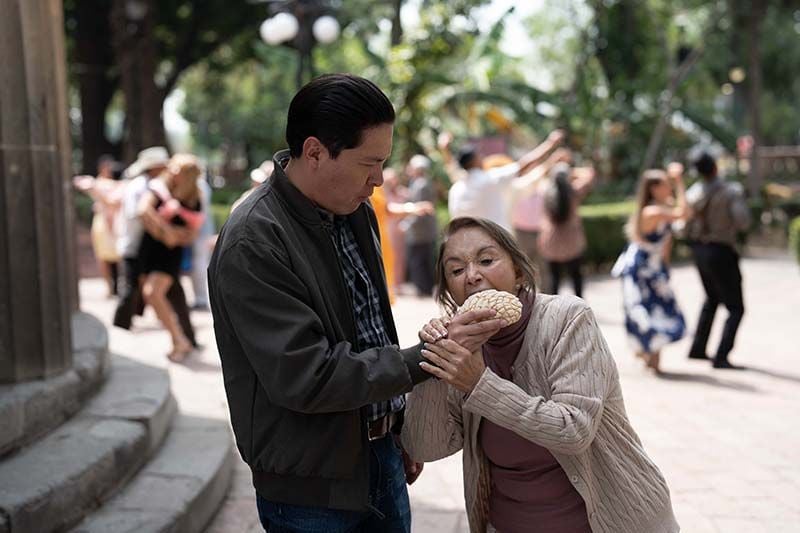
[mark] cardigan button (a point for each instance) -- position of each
(575, 479)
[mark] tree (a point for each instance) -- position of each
(238, 109)
(141, 48)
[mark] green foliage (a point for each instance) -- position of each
(220, 213)
(604, 225)
(83, 208)
(239, 106)
(605, 66)
(794, 238)
(226, 196)
(623, 209)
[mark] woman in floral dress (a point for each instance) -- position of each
(652, 316)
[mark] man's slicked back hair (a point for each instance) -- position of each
(336, 109)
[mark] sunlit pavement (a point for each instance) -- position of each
(728, 442)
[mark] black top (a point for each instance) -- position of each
(154, 255)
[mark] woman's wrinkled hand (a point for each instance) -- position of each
(473, 328)
(434, 330)
(454, 364)
(470, 329)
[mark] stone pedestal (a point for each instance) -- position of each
(37, 268)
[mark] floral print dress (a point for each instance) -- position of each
(652, 316)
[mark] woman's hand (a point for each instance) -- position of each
(434, 330)
(454, 364)
(472, 329)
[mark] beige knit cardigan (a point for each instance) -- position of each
(565, 395)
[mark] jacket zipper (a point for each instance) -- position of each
(328, 227)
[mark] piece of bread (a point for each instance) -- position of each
(506, 304)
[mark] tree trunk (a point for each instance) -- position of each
(397, 25)
(665, 110)
(757, 11)
(136, 54)
(95, 57)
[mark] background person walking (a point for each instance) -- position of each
(105, 190)
(718, 213)
(562, 240)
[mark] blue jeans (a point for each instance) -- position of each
(387, 493)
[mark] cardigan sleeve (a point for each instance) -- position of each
(433, 427)
(578, 367)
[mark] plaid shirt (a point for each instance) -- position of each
(370, 328)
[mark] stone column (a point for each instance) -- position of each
(37, 269)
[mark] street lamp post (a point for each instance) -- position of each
(300, 24)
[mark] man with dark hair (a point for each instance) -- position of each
(718, 213)
(314, 377)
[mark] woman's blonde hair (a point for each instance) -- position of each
(519, 259)
(644, 197)
(188, 168)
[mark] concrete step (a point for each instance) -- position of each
(59, 479)
(29, 410)
(180, 490)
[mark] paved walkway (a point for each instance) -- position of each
(728, 442)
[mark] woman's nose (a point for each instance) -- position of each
(473, 274)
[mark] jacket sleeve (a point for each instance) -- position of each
(265, 306)
(580, 368)
(433, 427)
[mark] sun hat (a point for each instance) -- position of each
(155, 156)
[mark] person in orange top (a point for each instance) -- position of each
(384, 210)
(379, 204)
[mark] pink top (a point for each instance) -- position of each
(528, 485)
(567, 241)
(529, 212)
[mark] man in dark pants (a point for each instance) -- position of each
(718, 213)
(421, 229)
(314, 376)
(150, 163)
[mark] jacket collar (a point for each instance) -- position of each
(300, 205)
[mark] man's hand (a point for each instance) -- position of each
(412, 468)
(424, 208)
(183, 235)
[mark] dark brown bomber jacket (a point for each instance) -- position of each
(296, 380)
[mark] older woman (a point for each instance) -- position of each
(538, 412)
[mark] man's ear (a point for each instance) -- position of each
(314, 152)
